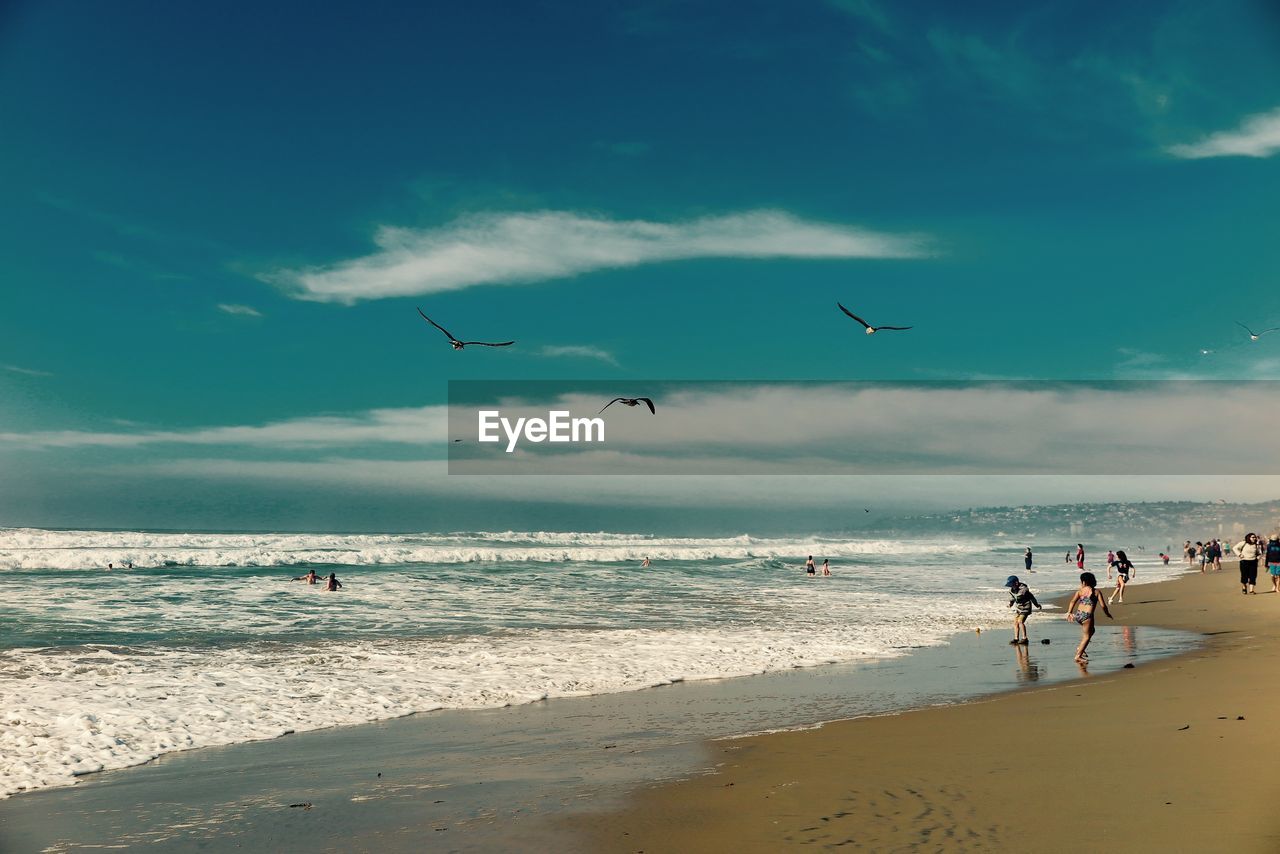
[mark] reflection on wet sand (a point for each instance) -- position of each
(1028, 670)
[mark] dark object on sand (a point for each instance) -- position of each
(1045, 640)
(458, 345)
(1129, 666)
(871, 330)
(1181, 728)
(1239, 717)
(631, 401)
(305, 806)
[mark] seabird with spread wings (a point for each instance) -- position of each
(871, 330)
(1254, 336)
(631, 401)
(458, 345)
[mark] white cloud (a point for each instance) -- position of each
(577, 351)
(246, 310)
(410, 426)
(1257, 136)
(30, 372)
(494, 249)
(833, 428)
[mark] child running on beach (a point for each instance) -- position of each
(1124, 570)
(1020, 595)
(1084, 602)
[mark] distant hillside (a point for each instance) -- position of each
(1172, 520)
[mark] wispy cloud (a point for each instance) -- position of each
(1257, 136)
(30, 372)
(578, 351)
(493, 249)
(408, 426)
(232, 308)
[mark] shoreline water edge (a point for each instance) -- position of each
(958, 673)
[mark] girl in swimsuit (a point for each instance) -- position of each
(1124, 569)
(1081, 610)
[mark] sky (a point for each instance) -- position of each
(216, 226)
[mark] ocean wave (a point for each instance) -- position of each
(29, 548)
(71, 711)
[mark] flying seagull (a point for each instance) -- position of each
(631, 401)
(871, 330)
(458, 345)
(1254, 336)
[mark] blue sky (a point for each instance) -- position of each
(222, 219)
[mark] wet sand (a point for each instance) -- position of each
(1173, 755)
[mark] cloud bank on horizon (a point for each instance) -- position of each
(1257, 136)
(514, 248)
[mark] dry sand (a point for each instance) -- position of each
(1179, 755)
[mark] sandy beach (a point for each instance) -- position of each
(1177, 755)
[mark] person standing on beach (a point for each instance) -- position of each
(809, 566)
(1216, 554)
(1187, 554)
(1124, 569)
(1026, 558)
(1079, 555)
(1111, 561)
(1084, 602)
(1021, 597)
(1249, 551)
(1273, 561)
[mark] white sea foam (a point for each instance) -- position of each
(70, 711)
(25, 548)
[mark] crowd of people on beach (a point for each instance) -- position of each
(1088, 598)
(1251, 551)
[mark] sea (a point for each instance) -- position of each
(202, 639)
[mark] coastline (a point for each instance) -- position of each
(1172, 755)
(500, 778)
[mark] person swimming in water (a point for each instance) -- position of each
(645, 562)
(333, 583)
(1084, 602)
(826, 566)
(310, 577)
(810, 567)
